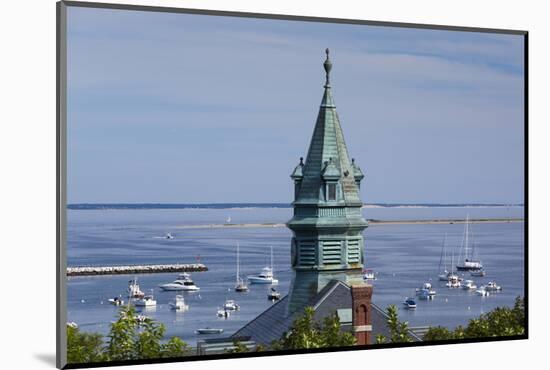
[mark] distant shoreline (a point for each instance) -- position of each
(371, 222)
(141, 206)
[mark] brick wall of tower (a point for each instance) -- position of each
(361, 312)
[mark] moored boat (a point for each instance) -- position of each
(146, 301)
(426, 291)
(467, 254)
(492, 286)
(369, 275)
(273, 295)
(469, 285)
(266, 276)
(209, 330)
(133, 289)
(183, 283)
(409, 303)
(240, 285)
(179, 304)
(231, 305)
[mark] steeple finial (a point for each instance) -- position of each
(328, 67)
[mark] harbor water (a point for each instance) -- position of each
(404, 256)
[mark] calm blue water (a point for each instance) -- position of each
(404, 256)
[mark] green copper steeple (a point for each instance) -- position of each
(327, 225)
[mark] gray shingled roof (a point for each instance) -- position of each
(273, 322)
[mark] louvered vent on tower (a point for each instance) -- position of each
(307, 253)
(354, 251)
(332, 251)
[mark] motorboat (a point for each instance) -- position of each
(453, 282)
(492, 286)
(223, 313)
(273, 295)
(482, 292)
(266, 276)
(133, 289)
(142, 319)
(469, 285)
(231, 305)
(478, 273)
(469, 262)
(409, 303)
(117, 301)
(209, 330)
(183, 282)
(169, 236)
(426, 291)
(179, 304)
(146, 301)
(369, 275)
(240, 284)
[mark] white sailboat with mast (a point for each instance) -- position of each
(443, 275)
(240, 284)
(469, 262)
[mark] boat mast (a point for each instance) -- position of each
(237, 262)
(271, 247)
(466, 247)
(443, 256)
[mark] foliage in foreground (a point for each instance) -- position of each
(128, 339)
(502, 321)
(308, 333)
(399, 331)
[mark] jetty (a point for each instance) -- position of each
(133, 269)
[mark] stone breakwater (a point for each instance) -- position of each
(134, 269)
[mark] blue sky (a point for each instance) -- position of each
(193, 109)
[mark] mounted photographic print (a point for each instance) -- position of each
(235, 185)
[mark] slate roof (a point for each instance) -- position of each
(273, 322)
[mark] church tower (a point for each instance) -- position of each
(327, 226)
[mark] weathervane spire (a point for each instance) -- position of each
(328, 67)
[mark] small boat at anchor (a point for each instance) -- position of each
(117, 301)
(179, 304)
(133, 289)
(208, 330)
(146, 301)
(223, 313)
(478, 273)
(482, 292)
(273, 295)
(409, 303)
(426, 291)
(240, 284)
(492, 287)
(369, 275)
(231, 305)
(183, 282)
(469, 285)
(266, 276)
(470, 263)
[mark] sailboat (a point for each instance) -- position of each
(469, 263)
(443, 275)
(453, 281)
(266, 276)
(240, 284)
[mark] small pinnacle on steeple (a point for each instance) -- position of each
(301, 161)
(328, 67)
